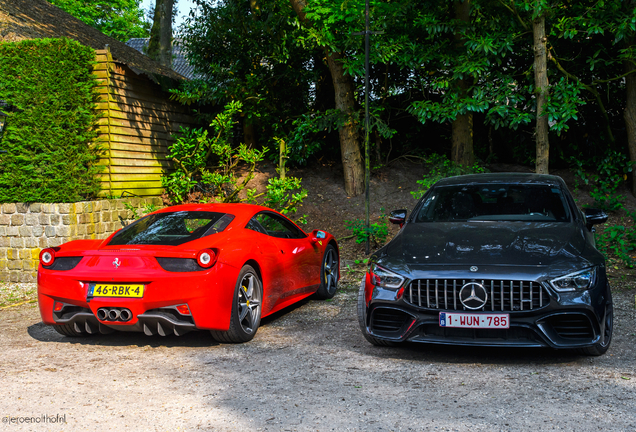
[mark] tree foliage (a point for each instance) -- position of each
(427, 68)
(119, 19)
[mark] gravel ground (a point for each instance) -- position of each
(308, 369)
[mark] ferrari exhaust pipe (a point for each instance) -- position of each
(125, 315)
(113, 314)
(102, 314)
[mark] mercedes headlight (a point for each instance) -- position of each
(581, 280)
(385, 278)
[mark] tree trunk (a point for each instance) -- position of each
(349, 138)
(462, 135)
(541, 92)
(630, 118)
(160, 43)
(345, 102)
(249, 137)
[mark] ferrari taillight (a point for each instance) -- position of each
(206, 258)
(47, 256)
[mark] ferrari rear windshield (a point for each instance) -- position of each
(494, 202)
(172, 229)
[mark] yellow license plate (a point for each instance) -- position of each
(116, 290)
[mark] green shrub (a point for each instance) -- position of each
(49, 134)
(440, 167)
(377, 231)
(604, 175)
(208, 165)
(618, 242)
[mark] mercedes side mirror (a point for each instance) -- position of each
(398, 217)
(594, 217)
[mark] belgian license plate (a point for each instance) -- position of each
(468, 320)
(116, 290)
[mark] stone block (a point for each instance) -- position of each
(35, 207)
(90, 229)
(14, 276)
(68, 219)
(35, 253)
(38, 231)
(3, 231)
(32, 219)
(30, 277)
(105, 205)
(12, 231)
(81, 230)
(25, 231)
(3, 253)
(17, 219)
(64, 208)
(28, 265)
(44, 219)
(31, 242)
(22, 207)
(105, 216)
(44, 242)
(63, 231)
(8, 208)
(14, 265)
(5, 219)
(56, 219)
(97, 206)
(48, 208)
(3, 266)
(49, 231)
(54, 241)
(24, 254)
(4, 276)
(16, 242)
(4, 241)
(78, 208)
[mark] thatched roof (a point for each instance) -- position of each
(36, 19)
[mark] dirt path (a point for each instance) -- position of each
(308, 369)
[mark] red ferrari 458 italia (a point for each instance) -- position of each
(218, 267)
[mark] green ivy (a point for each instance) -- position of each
(618, 242)
(49, 99)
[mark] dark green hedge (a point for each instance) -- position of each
(49, 98)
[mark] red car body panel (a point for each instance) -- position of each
(289, 269)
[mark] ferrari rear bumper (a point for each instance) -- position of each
(64, 298)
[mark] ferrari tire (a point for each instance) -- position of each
(246, 308)
(328, 274)
(69, 330)
(602, 346)
(362, 320)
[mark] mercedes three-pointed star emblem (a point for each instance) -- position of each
(473, 296)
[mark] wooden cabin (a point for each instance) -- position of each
(137, 118)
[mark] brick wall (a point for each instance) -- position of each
(26, 229)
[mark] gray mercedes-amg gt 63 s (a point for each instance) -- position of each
(503, 259)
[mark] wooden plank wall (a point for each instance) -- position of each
(137, 120)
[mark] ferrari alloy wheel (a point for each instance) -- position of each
(72, 330)
(246, 309)
(362, 320)
(328, 274)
